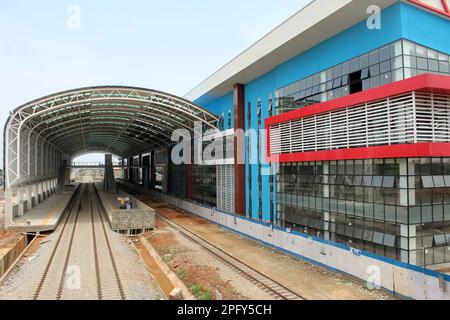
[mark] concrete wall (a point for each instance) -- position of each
(11, 255)
(403, 280)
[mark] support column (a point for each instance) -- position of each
(29, 197)
(8, 208)
(152, 171)
(146, 171)
(109, 183)
(239, 150)
(39, 195)
(20, 199)
(35, 193)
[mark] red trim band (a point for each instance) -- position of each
(382, 152)
(445, 12)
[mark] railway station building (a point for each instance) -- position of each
(346, 112)
(357, 114)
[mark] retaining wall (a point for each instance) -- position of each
(11, 255)
(404, 280)
(141, 217)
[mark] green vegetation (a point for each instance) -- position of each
(182, 274)
(200, 293)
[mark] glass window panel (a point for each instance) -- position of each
(414, 215)
(410, 62)
(439, 181)
(379, 211)
(389, 182)
(337, 83)
(355, 65)
(377, 181)
(427, 214)
(447, 181)
(428, 182)
(346, 68)
(378, 237)
(367, 181)
(386, 78)
(397, 63)
(366, 84)
(364, 61)
(422, 63)
(433, 65)
(389, 240)
(438, 213)
(375, 82)
(375, 70)
(421, 51)
(365, 73)
(409, 48)
(359, 233)
(442, 57)
(349, 231)
(402, 215)
(431, 54)
(398, 75)
(357, 181)
(444, 67)
(315, 90)
(374, 57)
(385, 53)
(385, 66)
(368, 235)
(390, 213)
(397, 48)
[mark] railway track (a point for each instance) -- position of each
(275, 289)
(98, 280)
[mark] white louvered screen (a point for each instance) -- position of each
(410, 118)
(225, 188)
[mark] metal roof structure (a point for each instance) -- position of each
(124, 121)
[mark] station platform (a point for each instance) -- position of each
(139, 219)
(44, 217)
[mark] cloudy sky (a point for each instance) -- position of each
(170, 45)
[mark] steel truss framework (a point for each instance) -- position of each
(123, 121)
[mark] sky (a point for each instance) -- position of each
(48, 46)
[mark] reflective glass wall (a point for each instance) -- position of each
(399, 208)
(397, 61)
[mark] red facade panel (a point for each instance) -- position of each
(239, 168)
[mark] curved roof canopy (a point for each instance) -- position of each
(124, 121)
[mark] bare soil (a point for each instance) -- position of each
(8, 239)
(207, 278)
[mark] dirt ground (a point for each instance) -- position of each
(8, 239)
(310, 281)
(206, 277)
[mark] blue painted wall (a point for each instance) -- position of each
(223, 106)
(401, 20)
